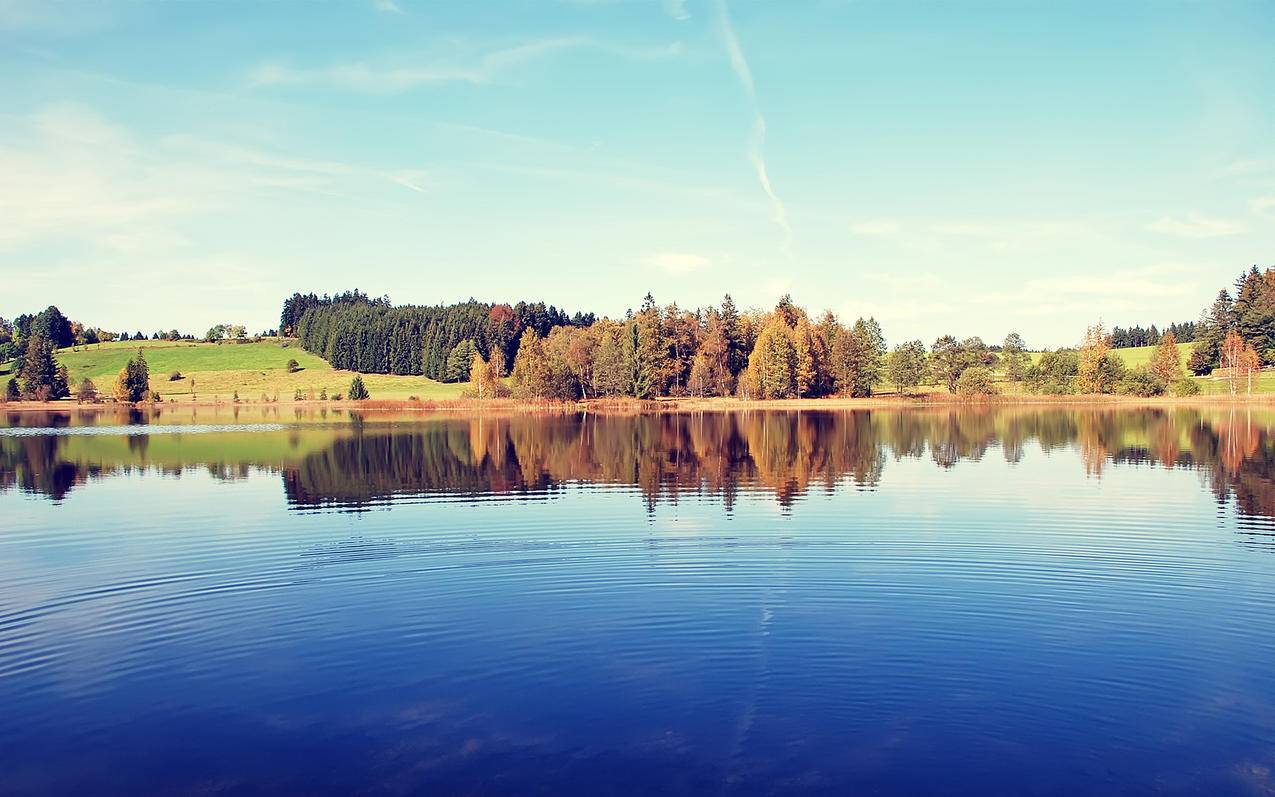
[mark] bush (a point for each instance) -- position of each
(87, 392)
(338, 397)
(175, 376)
(155, 396)
(293, 366)
(1186, 386)
(297, 395)
(975, 381)
(323, 394)
(11, 391)
(1054, 374)
(1140, 382)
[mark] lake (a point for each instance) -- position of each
(928, 601)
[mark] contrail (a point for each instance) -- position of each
(756, 150)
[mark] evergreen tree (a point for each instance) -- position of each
(358, 390)
(459, 361)
(39, 371)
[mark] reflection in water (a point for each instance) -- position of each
(355, 463)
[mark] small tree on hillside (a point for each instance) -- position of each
(1166, 362)
(358, 391)
(87, 392)
(133, 383)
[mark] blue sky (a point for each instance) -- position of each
(972, 168)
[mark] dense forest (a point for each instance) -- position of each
(714, 351)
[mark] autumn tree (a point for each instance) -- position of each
(1093, 351)
(710, 370)
(608, 361)
(1166, 361)
(531, 377)
(772, 364)
(483, 383)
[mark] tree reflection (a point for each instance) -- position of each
(664, 457)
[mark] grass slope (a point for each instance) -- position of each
(251, 369)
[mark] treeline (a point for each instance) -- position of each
(1238, 332)
(1134, 337)
(356, 332)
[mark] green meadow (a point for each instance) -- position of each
(220, 370)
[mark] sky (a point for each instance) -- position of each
(972, 168)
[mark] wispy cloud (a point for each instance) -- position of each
(71, 174)
(875, 227)
(387, 6)
(676, 9)
(1194, 226)
(385, 78)
(1263, 205)
(678, 262)
(757, 146)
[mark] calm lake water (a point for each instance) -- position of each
(937, 601)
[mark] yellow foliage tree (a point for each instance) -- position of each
(1166, 362)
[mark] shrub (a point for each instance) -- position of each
(1186, 386)
(175, 376)
(323, 394)
(338, 397)
(155, 396)
(975, 381)
(11, 391)
(87, 392)
(1055, 373)
(293, 366)
(236, 397)
(358, 391)
(413, 398)
(297, 395)
(1140, 382)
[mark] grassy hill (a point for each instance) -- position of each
(211, 370)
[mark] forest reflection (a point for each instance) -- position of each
(353, 465)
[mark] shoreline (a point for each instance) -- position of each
(665, 404)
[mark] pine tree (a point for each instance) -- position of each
(358, 390)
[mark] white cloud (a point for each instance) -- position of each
(386, 78)
(678, 262)
(71, 174)
(676, 9)
(388, 6)
(1194, 226)
(875, 227)
(1263, 205)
